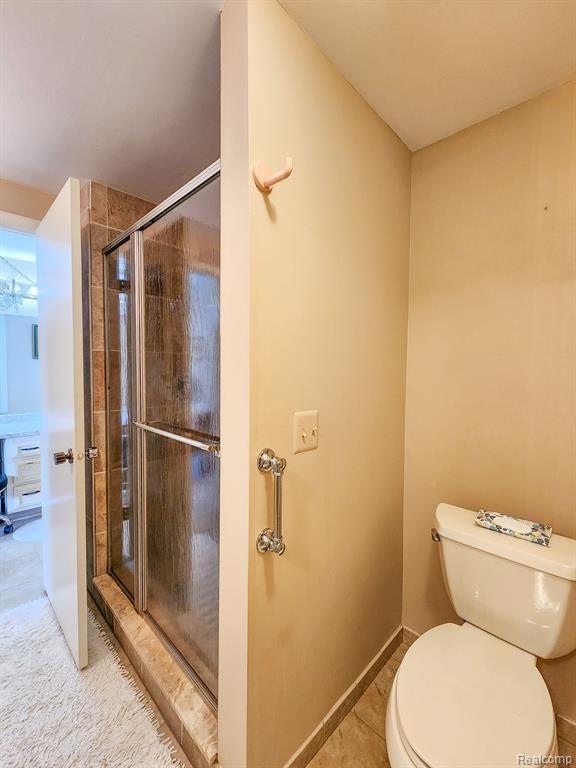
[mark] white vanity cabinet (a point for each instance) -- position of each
(22, 466)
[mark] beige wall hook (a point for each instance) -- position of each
(265, 180)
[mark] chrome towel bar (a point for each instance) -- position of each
(213, 448)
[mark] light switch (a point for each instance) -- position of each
(305, 431)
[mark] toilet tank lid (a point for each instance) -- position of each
(457, 524)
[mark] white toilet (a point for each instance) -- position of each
(471, 696)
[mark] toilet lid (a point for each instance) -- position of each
(466, 698)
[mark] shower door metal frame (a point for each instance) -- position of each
(138, 415)
(134, 402)
(139, 426)
(194, 185)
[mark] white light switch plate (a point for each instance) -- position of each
(305, 431)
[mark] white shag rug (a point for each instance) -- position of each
(54, 716)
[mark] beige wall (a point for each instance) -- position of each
(491, 376)
(328, 287)
(24, 201)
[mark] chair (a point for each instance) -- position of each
(4, 519)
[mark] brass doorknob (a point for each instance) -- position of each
(61, 458)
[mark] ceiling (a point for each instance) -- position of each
(127, 92)
(433, 67)
(118, 91)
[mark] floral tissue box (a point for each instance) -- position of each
(537, 533)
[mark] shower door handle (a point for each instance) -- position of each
(270, 539)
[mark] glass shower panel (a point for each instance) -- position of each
(118, 353)
(181, 271)
(181, 279)
(182, 548)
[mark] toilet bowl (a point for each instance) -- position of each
(462, 697)
(466, 697)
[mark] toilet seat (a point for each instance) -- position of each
(464, 697)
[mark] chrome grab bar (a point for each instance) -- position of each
(270, 540)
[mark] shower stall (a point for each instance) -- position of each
(163, 407)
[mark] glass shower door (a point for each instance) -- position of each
(180, 255)
(182, 488)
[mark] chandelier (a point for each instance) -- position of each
(15, 286)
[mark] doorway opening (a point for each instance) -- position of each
(20, 396)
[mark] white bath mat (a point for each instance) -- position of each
(54, 716)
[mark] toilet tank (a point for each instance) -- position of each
(519, 591)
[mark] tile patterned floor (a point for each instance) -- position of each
(567, 749)
(360, 739)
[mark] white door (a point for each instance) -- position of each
(59, 264)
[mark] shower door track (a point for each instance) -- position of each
(139, 427)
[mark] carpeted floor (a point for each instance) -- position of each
(56, 717)
(20, 572)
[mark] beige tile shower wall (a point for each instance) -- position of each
(328, 301)
(491, 377)
(106, 212)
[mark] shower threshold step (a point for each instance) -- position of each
(192, 721)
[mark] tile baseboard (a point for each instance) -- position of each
(409, 636)
(345, 703)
